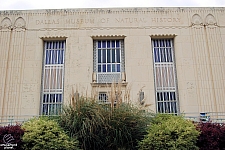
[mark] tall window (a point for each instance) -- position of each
(52, 81)
(165, 76)
(108, 60)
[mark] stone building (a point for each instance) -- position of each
(170, 58)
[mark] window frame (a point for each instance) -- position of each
(165, 81)
(108, 75)
(53, 91)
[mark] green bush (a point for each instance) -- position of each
(170, 132)
(101, 127)
(129, 125)
(85, 121)
(41, 133)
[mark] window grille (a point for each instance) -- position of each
(106, 98)
(165, 76)
(103, 97)
(108, 60)
(52, 81)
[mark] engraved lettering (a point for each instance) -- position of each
(39, 22)
(169, 19)
(165, 19)
(79, 21)
(130, 20)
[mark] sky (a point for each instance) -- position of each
(62, 4)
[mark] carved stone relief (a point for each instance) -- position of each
(6, 24)
(20, 23)
(210, 20)
(196, 20)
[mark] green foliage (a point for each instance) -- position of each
(128, 124)
(100, 126)
(41, 133)
(170, 132)
(85, 121)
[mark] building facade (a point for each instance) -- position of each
(170, 58)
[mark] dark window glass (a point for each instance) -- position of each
(108, 56)
(99, 56)
(117, 43)
(104, 68)
(99, 68)
(103, 44)
(156, 54)
(45, 109)
(104, 56)
(113, 56)
(108, 68)
(118, 56)
(162, 43)
(118, 67)
(113, 44)
(113, 68)
(99, 44)
(108, 44)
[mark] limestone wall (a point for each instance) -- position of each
(199, 37)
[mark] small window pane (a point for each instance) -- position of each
(113, 44)
(45, 109)
(108, 68)
(161, 43)
(99, 56)
(99, 68)
(118, 56)
(108, 44)
(108, 56)
(156, 55)
(117, 43)
(162, 51)
(155, 42)
(103, 44)
(118, 67)
(113, 56)
(168, 44)
(103, 68)
(104, 56)
(47, 57)
(99, 44)
(113, 68)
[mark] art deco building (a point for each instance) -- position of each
(170, 58)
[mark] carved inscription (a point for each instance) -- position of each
(107, 20)
(79, 21)
(165, 19)
(39, 22)
(130, 20)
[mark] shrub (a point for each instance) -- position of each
(11, 134)
(212, 136)
(100, 126)
(85, 121)
(170, 132)
(128, 124)
(41, 133)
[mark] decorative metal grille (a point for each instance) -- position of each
(108, 77)
(103, 97)
(108, 60)
(52, 82)
(165, 77)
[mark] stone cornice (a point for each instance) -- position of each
(139, 10)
